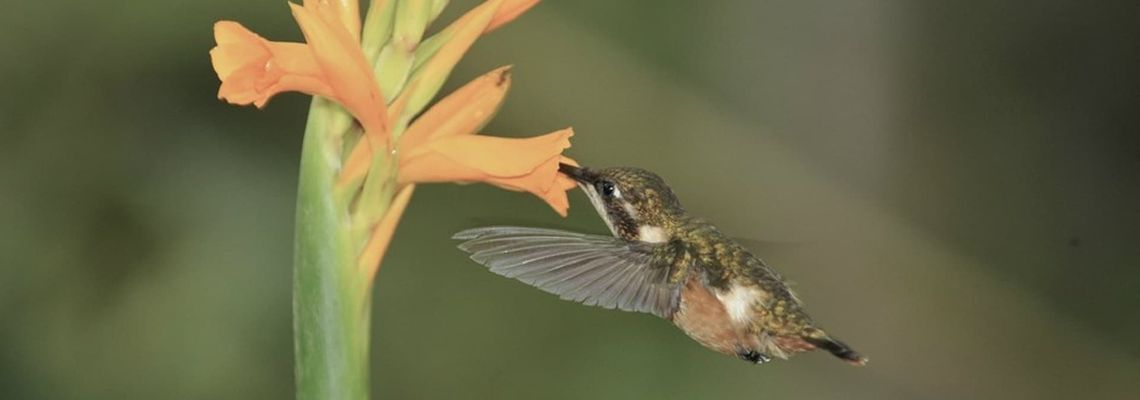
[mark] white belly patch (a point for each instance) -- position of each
(739, 300)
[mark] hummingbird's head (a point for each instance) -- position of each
(636, 204)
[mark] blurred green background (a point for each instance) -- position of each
(954, 187)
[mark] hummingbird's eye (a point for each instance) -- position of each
(608, 189)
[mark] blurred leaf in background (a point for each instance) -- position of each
(964, 175)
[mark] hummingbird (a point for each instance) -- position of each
(662, 261)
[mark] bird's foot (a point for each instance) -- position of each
(753, 356)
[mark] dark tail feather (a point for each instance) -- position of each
(838, 349)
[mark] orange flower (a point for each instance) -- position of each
(253, 69)
(439, 146)
(518, 164)
(330, 65)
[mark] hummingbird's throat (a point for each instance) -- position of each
(652, 234)
(599, 206)
(645, 232)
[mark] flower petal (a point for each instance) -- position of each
(253, 69)
(494, 156)
(373, 253)
(507, 12)
(236, 47)
(344, 13)
(463, 112)
(350, 16)
(345, 69)
(529, 164)
(556, 195)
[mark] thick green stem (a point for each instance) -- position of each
(330, 301)
(331, 293)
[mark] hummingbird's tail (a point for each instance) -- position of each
(821, 340)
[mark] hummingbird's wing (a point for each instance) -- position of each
(590, 269)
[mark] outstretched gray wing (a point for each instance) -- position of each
(591, 269)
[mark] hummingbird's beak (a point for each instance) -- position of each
(577, 173)
(586, 180)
